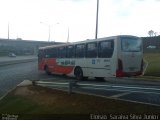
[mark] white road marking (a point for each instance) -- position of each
(120, 95)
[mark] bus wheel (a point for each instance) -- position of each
(47, 70)
(78, 73)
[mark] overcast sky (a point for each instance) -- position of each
(30, 19)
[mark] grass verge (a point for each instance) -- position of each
(39, 101)
(153, 68)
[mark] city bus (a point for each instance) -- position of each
(116, 56)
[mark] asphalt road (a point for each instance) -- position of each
(12, 75)
(126, 89)
(134, 93)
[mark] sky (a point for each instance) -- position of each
(31, 19)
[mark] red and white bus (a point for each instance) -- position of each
(116, 56)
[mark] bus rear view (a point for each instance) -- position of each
(130, 57)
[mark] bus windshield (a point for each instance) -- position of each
(131, 44)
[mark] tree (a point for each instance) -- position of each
(151, 33)
(155, 33)
(19, 39)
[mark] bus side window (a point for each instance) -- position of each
(70, 51)
(106, 49)
(53, 52)
(80, 51)
(47, 53)
(91, 50)
(62, 52)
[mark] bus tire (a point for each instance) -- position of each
(47, 70)
(78, 73)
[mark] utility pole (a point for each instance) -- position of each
(49, 29)
(8, 30)
(49, 32)
(68, 36)
(96, 33)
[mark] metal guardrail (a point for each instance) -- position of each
(68, 85)
(74, 84)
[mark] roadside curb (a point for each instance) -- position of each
(149, 78)
(21, 84)
(7, 93)
(133, 80)
(25, 83)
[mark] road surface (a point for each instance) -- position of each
(12, 75)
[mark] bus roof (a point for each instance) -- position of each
(84, 41)
(51, 46)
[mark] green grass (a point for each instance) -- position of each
(153, 68)
(35, 102)
(16, 104)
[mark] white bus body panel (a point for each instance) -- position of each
(99, 67)
(131, 61)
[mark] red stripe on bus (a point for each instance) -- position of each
(62, 69)
(53, 67)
